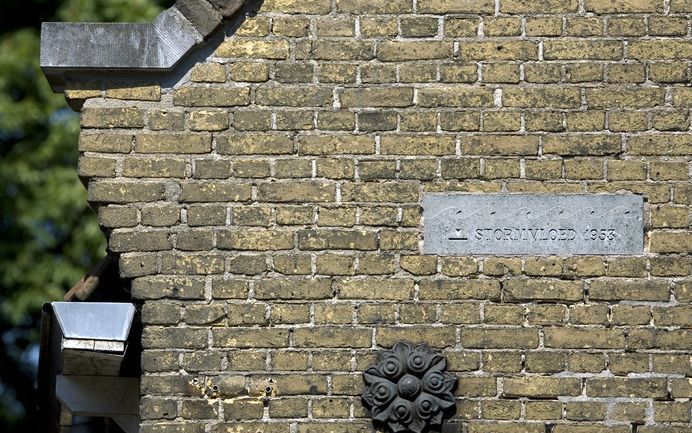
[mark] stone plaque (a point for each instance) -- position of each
(533, 224)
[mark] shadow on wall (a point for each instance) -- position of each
(172, 78)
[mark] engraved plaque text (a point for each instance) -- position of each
(533, 224)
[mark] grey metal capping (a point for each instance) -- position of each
(68, 48)
(94, 320)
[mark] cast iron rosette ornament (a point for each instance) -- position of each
(409, 390)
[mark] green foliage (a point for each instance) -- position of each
(108, 10)
(48, 235)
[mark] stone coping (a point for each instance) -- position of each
(68, 48)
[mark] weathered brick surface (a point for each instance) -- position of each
(268, 213)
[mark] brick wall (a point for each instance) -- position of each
(267, 210)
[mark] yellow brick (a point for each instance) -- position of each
(670, 217)
(677, 6)
(541, 97)
(626, 73)
(254, 26)
(459, 289)
(542, 72)
(539, 7)
(329, 336)
(437, 336)
(451, 73)
(337, 73)
(331, 313)
(293, 27)
(458, 267)
(501, 168)
(501, 121)
(580, 338)
(543, 169)
(209, 73)
(501, 73)
(139, 93)
(455, 96)
(522, 290)
(419, 27)
(335, 27)
(544, 121)
(583, 72)
(81, 94)
(452, 6)
(378, 26)
(394, 51)
(296, 192)
(627, 121)
(581, 145)
(536, 187)
(580, 26)
(502, 26)
(249, 71)
(626, 26)
(249, 144)
(417, 145)
(294, 96)
(543, 26)
(670, 242)
(499, 145)
(660, 144)
(668, 170)
(377, 97)
(211, 97)
(498, 50)
(337, 217)
(660, 50)
(585, 121)
(325, 49)
(460, 121)
(335, 144)
(623, 6)
(667, 26)
(655, 192)
(208, 120)
(584, 169)
(681, 97)
(626, 170)
(626, 97)
(460, 27)
(418, 122)
(583, 50)
(670, 120)
(501, 338)
(253, 48)
(298, 6)
(373, 6)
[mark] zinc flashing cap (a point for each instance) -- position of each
(83, 48)
(103, 321)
